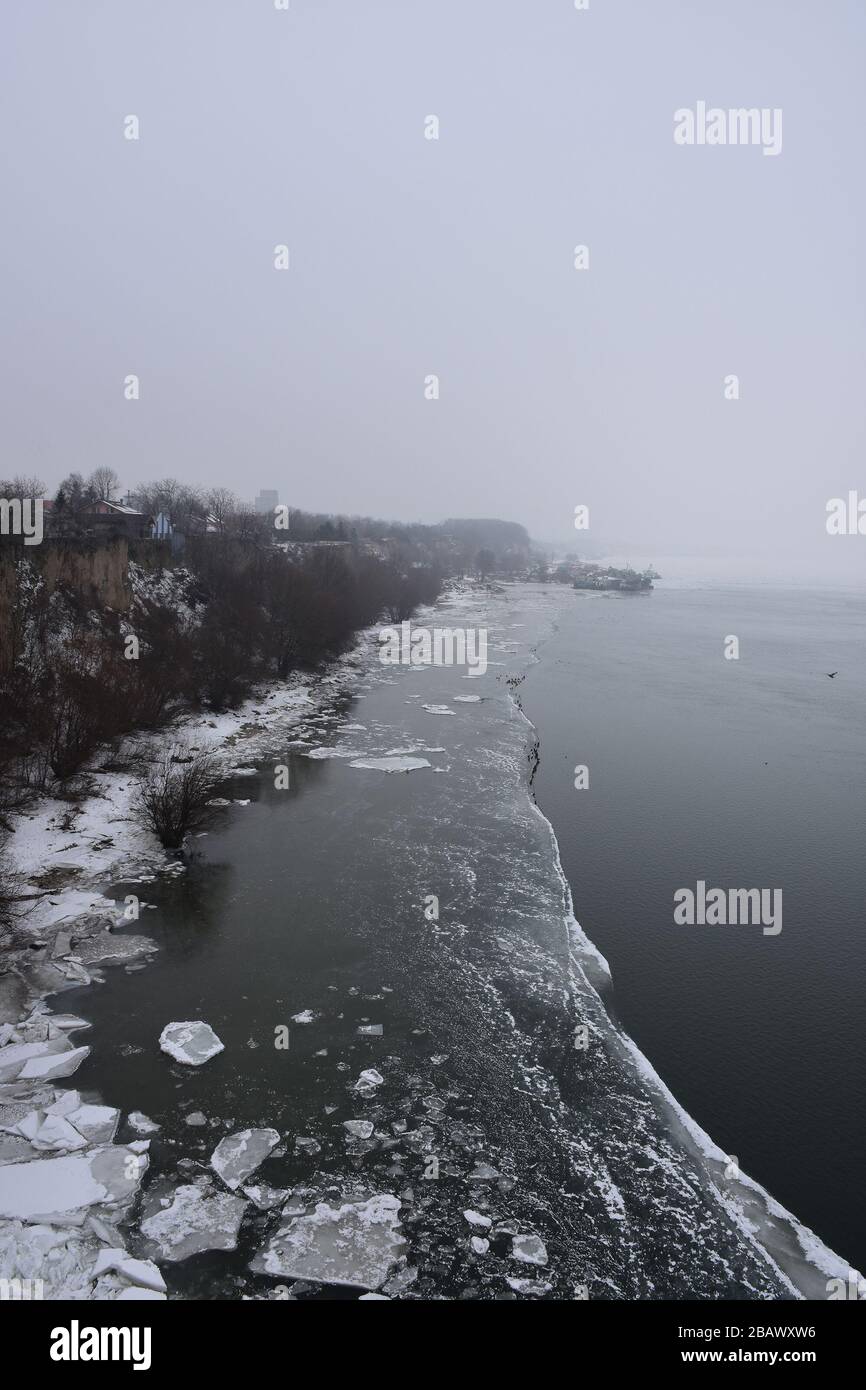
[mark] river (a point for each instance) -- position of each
(310, 909)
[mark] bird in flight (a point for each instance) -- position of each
(831, 674)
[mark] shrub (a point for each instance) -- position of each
(173, 794)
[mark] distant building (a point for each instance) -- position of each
(267, 500)
(116, 519)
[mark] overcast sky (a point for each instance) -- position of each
(454, 256)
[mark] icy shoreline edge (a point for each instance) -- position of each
(799, 1258)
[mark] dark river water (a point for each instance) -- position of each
(311, 901)
(743, 773)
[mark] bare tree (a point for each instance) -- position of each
(246, 524)
(221, 504)
(22, 487)
(104, 483)
(173, 794)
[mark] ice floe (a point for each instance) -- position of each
(190, 1042)
(355, 1244)
(107, 946)
(391, 764)
(68, 1125)
(266, 1197)
(45, 1187)
(369, 1081)
(532, 1288)
(40, 1061)
(358, 1129)
(190, 1220)
(530, 1249)
(237, 1156)
(142, 1124)
(142, 1272)
(476, 1218)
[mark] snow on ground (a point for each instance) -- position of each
(77, 846)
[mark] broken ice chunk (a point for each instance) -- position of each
(52, 1132)
(15, 1056)
(97, 1123)
(142, 1272)
(482, 1172)
(392, 764)
(475, 1218)
(13, 1149)
(531, 1287)
(105, 946)
(70, 1023)
(266, 1197)
(530, 1249)
(239, 1155)
(64, 1103)
(48, 1186)
(141, 1123)
(49, 1068)
(195, 1219)
(356, 1244)
(358, 1129)
(191, 1042)
(369, 1081)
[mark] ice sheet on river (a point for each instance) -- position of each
(355, 1244)
(46, 1187)
(397, 764)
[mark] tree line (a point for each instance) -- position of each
(236, 614)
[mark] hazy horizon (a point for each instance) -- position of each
(410, 256)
